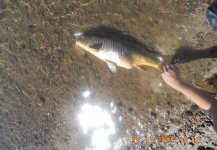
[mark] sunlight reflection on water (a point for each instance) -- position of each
(86, 94)
(99, 120)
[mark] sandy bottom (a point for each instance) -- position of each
(56, 96)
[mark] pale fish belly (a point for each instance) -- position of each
(111, 56)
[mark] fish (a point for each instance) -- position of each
(117, 51)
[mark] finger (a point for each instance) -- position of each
(167, 73)
(171, 65)
(167, 66)
(165, 69)
(165, 77)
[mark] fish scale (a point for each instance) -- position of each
(118, 52)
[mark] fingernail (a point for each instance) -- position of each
(167, 66)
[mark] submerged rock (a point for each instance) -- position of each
(153, 116)
(194, 108)
(201, 148)
(40, 101)
(190, 145)
(172, 120)
(119, 104)
(189, 113)
(130, 110)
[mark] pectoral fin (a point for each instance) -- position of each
(96, 46)
(111, 65)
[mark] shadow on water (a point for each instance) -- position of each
(187, 54)
(213, 80)
(120, 35)
(214, 3)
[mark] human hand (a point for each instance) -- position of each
(170, 76)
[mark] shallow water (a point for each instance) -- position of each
(43, 76)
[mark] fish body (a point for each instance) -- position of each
(119, 52)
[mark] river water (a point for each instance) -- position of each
(53, 95)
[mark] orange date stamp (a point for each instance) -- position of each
(165, 139)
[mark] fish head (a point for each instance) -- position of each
(89, 43)
(83, 38)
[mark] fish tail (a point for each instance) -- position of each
(160, 66)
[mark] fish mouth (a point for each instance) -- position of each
(81, 44)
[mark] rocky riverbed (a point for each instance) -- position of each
(54, 96)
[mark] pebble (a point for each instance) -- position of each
(54, 62)
(1, 16)
(200, 34)
(92, 77)
(210, 88)
(32, 28)
(167, 127)
(172, 120)
(202, 125)
(201, 148)
(197, 117)
(191, 145)
(47, 57)
(40, 101)
(189, 113)
(128, 148)
(168, 103)
(176, 135)
(119, 104)
(153, 116)
(214, 144)
(60, 54)
(197, 134)
(194, 108)
(42, 45)
(209, 123)
(3, 5)
(201, 113)
(130, 110)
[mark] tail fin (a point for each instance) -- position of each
(166, 59)
(160, 66)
